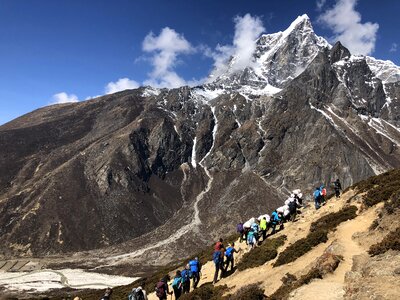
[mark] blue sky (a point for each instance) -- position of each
(57, 51)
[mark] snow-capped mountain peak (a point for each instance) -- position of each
(278, 58)
(385, 70)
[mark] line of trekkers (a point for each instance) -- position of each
(250, 232)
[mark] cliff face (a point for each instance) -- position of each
(146, 168)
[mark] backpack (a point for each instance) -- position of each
(175, 283)
(186, 275)
(324, 192)
(239, 227)
(194, 266)
(229, 252)
(136, 295)
(292, 205)
(217, 257)
(160, 289)
(317, 194)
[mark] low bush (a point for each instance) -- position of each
(374, 224)
(332, 220)
(260, 255)
(301, 247)
(374, 181)
(379, 188)
(206, 292)
(390, 242)
(250, 292)
(318, 234)
(393, 203)
(290, 283)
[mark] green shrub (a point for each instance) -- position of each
(301, 247)
(260, 255)
(206, 292)
(250, 292)
(390, 241)
(332, 220)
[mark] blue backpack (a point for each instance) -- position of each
(229, 252)
(185, 275)
(217, 257)
(176, 282)
(317, 194)
(194, 266)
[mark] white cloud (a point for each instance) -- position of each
(320, 4)
(165, 49)
(120, 85)
(346, 24)
(63, 98)
(393, 48)
(247, 30)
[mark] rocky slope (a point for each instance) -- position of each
(143, 170)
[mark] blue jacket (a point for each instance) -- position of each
(275, 217)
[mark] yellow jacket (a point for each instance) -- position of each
(263, 224)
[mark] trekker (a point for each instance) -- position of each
(256, 228)
(337, 186)
(275, 220)
(317, 198)
(195, 269)
(177, 284)
(229, 256)
(251, 239)
(293, 209)
(107, 294)
(263, 228)
(240, 230)
(137, 294)
(218, 258)
(185, 273)
(162, 288)
(219, 245)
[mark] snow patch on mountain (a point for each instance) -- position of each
(385, 70)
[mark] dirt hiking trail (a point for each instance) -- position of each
(269, 277)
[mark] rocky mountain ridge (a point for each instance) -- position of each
(122, 172)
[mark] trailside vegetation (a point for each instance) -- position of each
(249, 292)
(260, 255)
(326, 264)
(206, 292)
(318, 234)
(390, 242)
(332, 220)
(379, 188)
